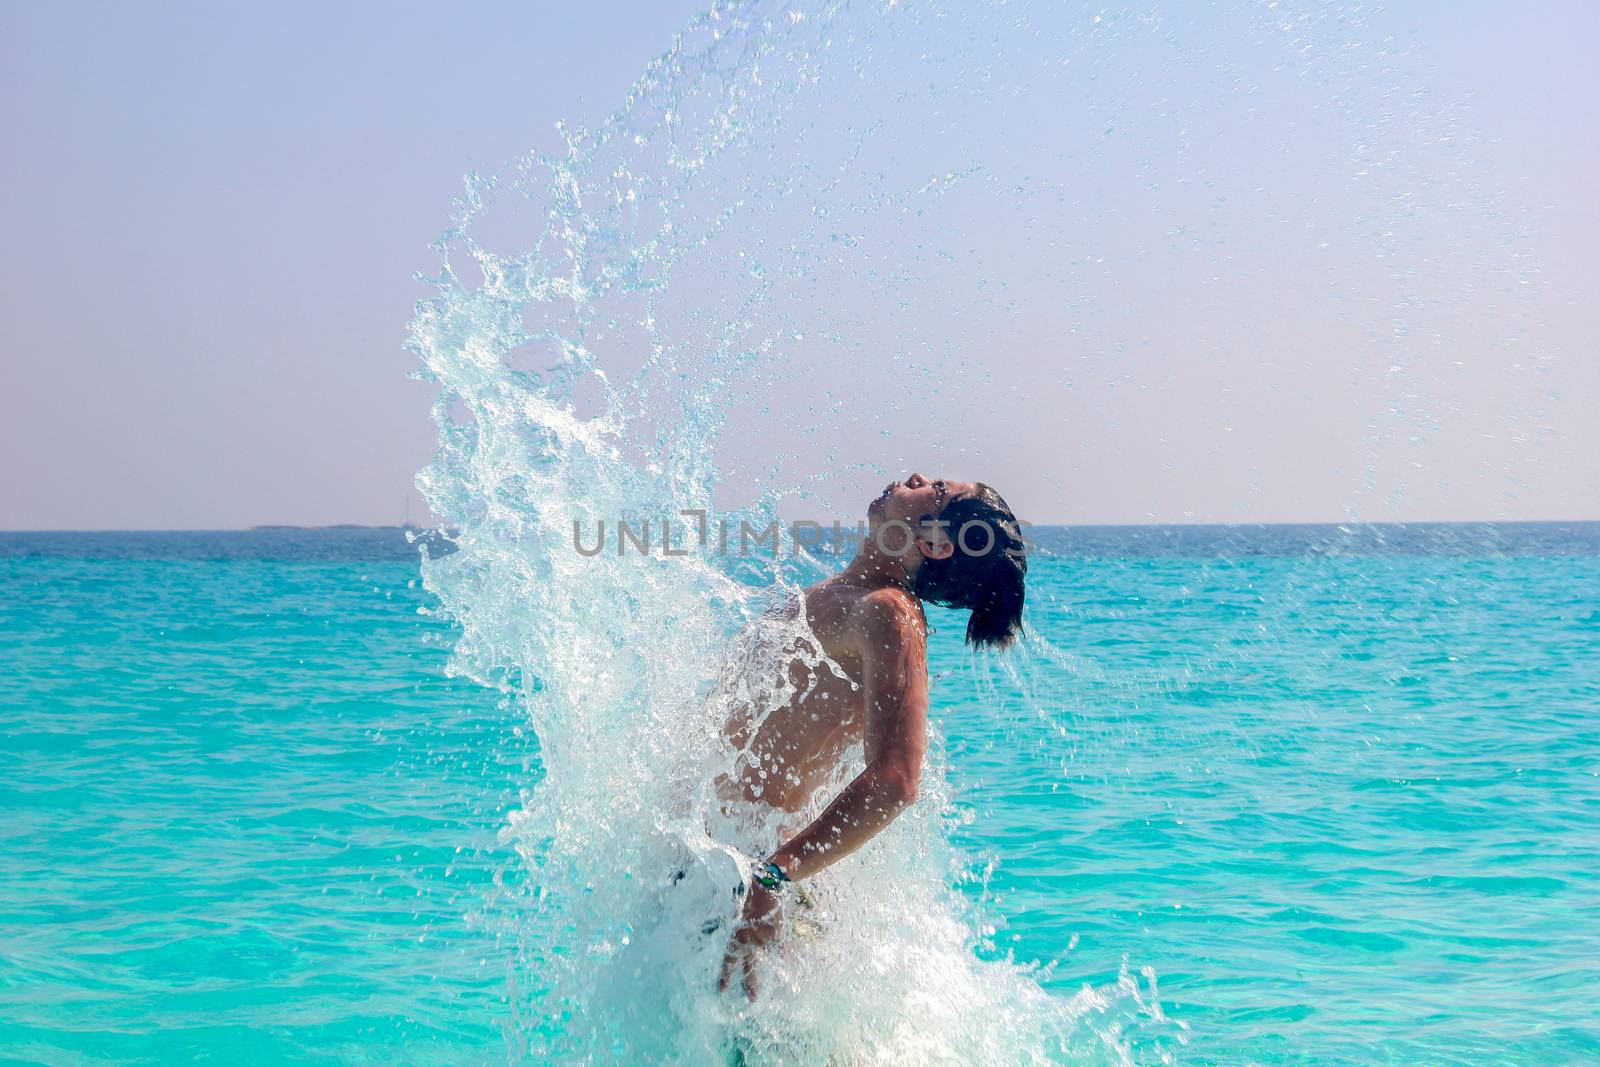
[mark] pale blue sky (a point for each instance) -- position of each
(214, 214)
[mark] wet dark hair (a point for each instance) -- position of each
(987, 572)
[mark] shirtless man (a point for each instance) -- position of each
(951, 543)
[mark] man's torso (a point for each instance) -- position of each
(797, 748)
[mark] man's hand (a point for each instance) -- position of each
(758, 925)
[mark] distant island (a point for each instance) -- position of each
(335, 526)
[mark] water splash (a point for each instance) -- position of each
(792, 194)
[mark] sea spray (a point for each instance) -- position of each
(590, 375)
(798, 227)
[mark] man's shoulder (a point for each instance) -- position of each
(887, 612)
(852, 616)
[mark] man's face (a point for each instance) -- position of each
(915, 501)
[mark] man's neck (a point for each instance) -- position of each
(873, 568)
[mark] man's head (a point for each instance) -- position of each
(967, 551)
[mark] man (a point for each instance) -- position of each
(952, 543)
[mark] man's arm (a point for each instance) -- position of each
(895, 668)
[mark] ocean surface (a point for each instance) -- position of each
(1336, 789)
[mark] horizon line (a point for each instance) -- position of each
(269, 527)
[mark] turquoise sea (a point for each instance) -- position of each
(1337, 789)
